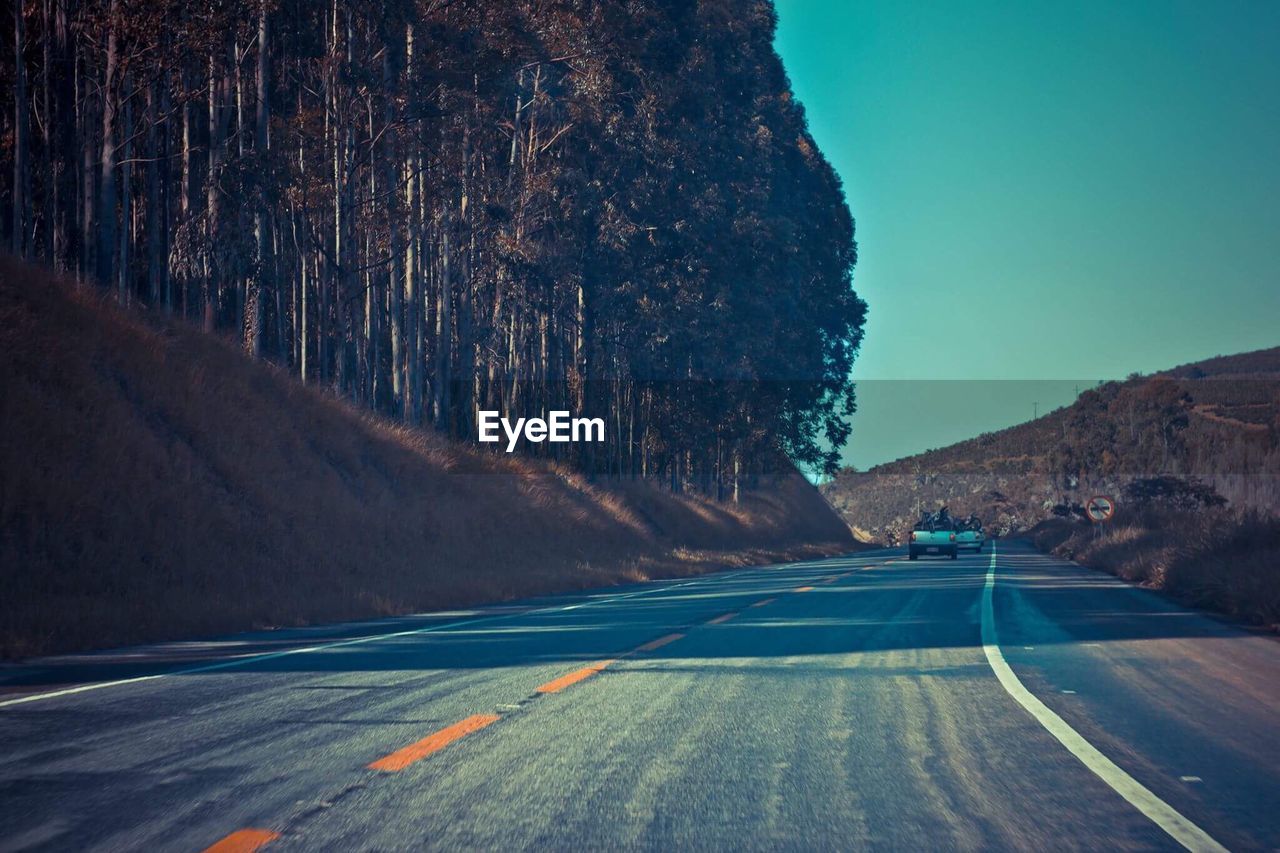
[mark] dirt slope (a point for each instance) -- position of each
(155, 483)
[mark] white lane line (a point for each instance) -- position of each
(264, 656)
(241, 661)
(1134, 792)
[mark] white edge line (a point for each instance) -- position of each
(1134, 792)
(241, 661)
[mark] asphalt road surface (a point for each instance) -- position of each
(863, 701)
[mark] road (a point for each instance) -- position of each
(1013, 702)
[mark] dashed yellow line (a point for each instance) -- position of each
(402, 758)
(243, 841)
(658, 643)
(248, 840)
(572, 678)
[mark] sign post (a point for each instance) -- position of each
(1100, 509)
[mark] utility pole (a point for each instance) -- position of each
(1035, 411)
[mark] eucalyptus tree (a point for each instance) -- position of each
(435, 206)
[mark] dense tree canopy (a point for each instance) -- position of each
(435, 206)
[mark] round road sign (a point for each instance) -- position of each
(1100, 508)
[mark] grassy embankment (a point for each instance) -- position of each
(155, 483)
(1221, 560)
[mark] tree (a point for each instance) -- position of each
(432, 206)
(21, 133)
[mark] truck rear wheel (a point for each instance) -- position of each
(955, 553)
(911, 554)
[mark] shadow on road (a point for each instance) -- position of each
(879, 602)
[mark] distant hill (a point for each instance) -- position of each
(1216, 420)
(157, 483)
(1261, 363)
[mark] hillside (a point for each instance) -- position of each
(1217, 421)
(1263, 363)
(157, 483)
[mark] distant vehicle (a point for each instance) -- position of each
(934, 533)
(969, 534)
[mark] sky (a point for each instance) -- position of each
(1045, 190)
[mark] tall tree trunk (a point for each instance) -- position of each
(213, 154)
(277, 288)
(88, 174)
(106, 241)
(164, 210)
(123, 283)
(219, 90)
(444, 332)
(187, 196)
(155, 222)
(21, 124)
(258, 282)
(412, 360)
(300, 325)
(344, 202)
(63, 120)
(395, 218)
(186, 189)
(48, 170)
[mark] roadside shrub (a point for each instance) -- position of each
(1218, 559)
(1173, 493)
(1074, 509)
(1233, 569)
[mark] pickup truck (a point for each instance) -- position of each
(969, 534)
(935, 533)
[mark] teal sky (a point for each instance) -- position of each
(1046, 190)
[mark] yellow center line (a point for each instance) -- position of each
(243, 841)
(658, 643)
(400, 759)
(573, 678)
(248, 840)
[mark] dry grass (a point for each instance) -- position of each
(1224, 561)
(154, 483)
